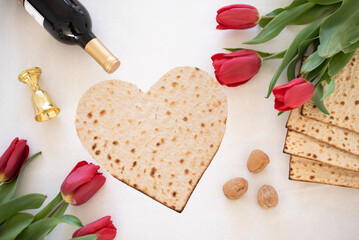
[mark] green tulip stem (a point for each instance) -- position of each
(267, 17)
(274, 55)
(56, 208)
(319, 79)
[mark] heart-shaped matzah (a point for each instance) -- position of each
(159, 142)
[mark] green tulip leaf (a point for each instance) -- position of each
(30, 201)
(338, 62)
(261, 54)
(263, 22)
(72, 220)
(87, 237)
(277, 24)
(319, 71)
(40, 229)
(308, 17)
(312, 62)
(340, 30)
(314, 13)
(325, 2)
(330, 88)
(48, 208)
(318, 95)
(309, 32)
(302, 48)
(14, 225)
(7, 190)
(295, 3)
(351, 48)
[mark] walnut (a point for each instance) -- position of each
(257, 161)
(267, 197)
(235, 188)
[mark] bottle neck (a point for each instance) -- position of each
(85, 38)
(102, 55)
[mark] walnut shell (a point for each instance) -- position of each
(235, 188)
(267, 197)
(257, 161)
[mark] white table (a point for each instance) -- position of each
(150, 38)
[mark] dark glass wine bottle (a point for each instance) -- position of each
(69, 22)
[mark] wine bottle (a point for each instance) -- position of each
(69, 22)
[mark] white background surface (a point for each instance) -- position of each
(150, 38)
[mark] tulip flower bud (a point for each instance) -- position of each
(13, 159)
(293, 94)
(82, 183)
(237, 16)
(102, 227)
(236, 68)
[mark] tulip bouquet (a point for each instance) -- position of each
(77, 188)
(330, 39)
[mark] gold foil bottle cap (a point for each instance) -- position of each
(102, 55)
(45, 108)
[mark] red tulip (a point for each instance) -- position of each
(13, 159)
(293, 94)
(237, 16)
(102, 227)
(236, 68)
(82, 183)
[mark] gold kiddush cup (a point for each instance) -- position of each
(45, 108)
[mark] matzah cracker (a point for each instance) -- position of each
(338, 137)
(302, 169)
(303, 146)
(343, 103)
(159, 142)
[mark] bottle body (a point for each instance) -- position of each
(69, 22)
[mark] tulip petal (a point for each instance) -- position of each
(91, 228)
(279, 92)
(218, 56)
(236, 68)
(219, 81)
(235, 6)
(78, 177)
(23, 161)
(106, 234)
(220, 27)
(298, 95)
(14, 163)
(236, 84)
(217, 64)
(278, 105)
(240, 53)
(293, 94)
(83, 193)
(238, 18)
(239, 70)
(79, 164)
(290, 84)
(5, 157)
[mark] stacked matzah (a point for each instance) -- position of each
(325, 148)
